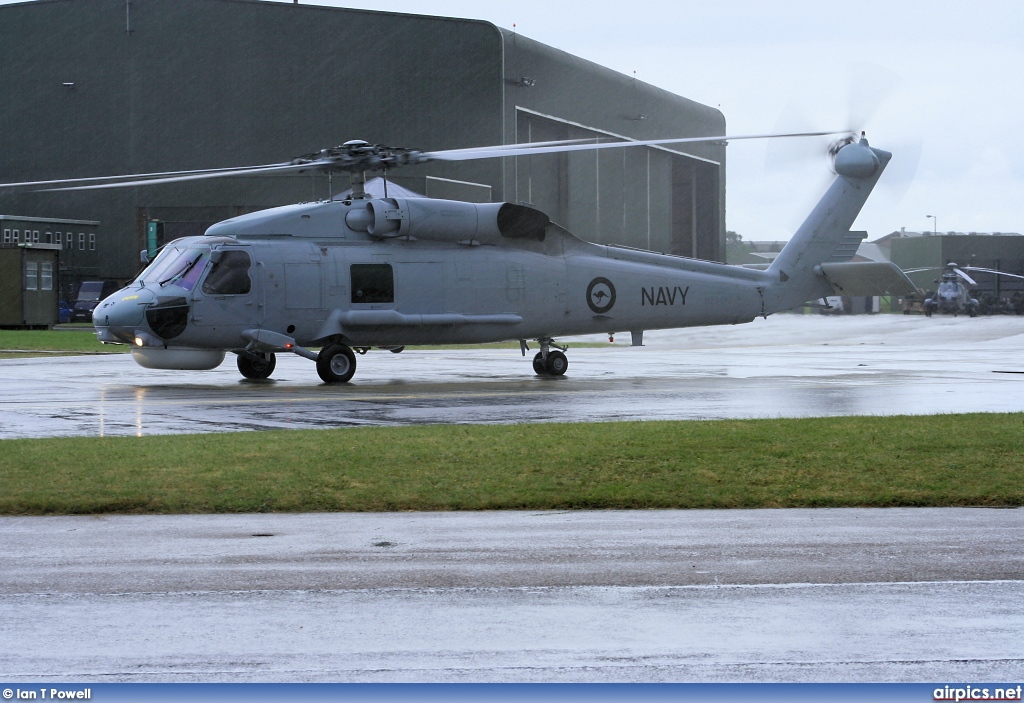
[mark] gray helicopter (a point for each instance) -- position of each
(953, 297)
(349, 275)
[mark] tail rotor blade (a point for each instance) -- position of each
(871, 85)
(899, 174)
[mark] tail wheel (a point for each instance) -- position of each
(336, 363)
(257, 365)
(556, 363)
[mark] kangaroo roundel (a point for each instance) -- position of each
(601, 295)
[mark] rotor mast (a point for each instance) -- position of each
(359, 185)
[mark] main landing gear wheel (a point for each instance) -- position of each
(257, 366)
(336, 363)
(555, 365)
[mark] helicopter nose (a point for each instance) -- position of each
(123, 310)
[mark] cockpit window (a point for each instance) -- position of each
(186, 269)
(180, 266)
(229, 275)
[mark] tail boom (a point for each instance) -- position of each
(796, 274)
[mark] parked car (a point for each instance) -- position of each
(90, 293)
(63, 312)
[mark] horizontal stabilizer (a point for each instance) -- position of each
(867, 278)
(847, 247)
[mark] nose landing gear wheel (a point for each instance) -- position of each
(555, 365)
(257, 366)
(336, 363)
(538, 365)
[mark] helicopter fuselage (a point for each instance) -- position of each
(951, 297)
(353, 274)
(312, 278)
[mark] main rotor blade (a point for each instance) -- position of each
(255, 170)
(360, 156)
(528, 145)
(530, 149)
(997, 273)
(964, 276)
(161, 174)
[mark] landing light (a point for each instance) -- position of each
(144, 339)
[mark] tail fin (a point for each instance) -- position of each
(858, 167)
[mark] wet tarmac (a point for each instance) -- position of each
(771, 595)
(742, 595)
(785, 366)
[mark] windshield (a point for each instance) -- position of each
(177, 265)
(90, 292)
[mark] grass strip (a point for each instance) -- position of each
(945, 460)
(69, 340)
(14, 343)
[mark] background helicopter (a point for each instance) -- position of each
(360, 273)
(953, 296)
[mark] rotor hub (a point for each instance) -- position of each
(355, 156)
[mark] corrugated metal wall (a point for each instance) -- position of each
(99, 87)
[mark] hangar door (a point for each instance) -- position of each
(649, 198)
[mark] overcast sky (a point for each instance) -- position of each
(951, 74)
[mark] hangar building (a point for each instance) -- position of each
(1000, 251)
(103, 87)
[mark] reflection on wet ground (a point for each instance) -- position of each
(772, 595)
(786, 366)
(642, 595)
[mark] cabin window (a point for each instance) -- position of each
(230, 275)
(373, 283)
(31, 275)
(46, 275)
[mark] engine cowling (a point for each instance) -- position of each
(448, 220)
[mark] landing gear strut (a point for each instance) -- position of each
(336, 363)
(548, 362)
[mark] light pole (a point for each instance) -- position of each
(935, 223)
